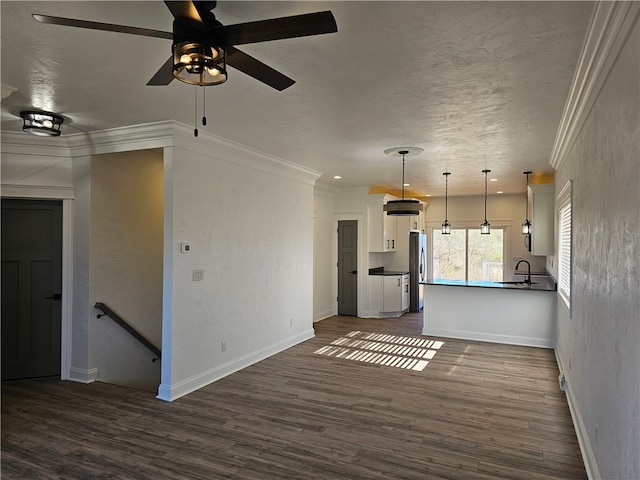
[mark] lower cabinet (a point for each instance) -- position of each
(405, 292)
(392, 293)
(389, 295)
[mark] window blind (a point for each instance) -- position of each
(564, 252)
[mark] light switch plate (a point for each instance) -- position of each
(198, 275)
(185, 248)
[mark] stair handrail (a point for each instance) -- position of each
(108, 311)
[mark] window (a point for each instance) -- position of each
(465, 254)
(564, 244)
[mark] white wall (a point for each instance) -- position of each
(599, 343)
(324, 265)
(249, 220)
(126, 264)
(248, 216)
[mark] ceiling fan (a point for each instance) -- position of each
(202, 46)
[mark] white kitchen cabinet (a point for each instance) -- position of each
(389, 295)
(416, 222)
(541, 205)
(392, 293)
(382, 227)
(405, 292)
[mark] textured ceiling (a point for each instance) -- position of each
(475, 84)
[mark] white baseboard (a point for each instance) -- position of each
(170, 393)
(82, 375)
(489, 337)
(588, 456)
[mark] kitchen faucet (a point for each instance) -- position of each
(528, 280)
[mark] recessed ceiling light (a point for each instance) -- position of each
(427, 194)
(499, 192)
(493, 180)
(337, 177)
(407, 184)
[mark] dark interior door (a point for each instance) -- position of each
(348, 267)
(31, 288)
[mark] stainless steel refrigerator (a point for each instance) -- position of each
(417, 269)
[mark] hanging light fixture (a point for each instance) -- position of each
(526, 225)
(446, 226)
(199, 63)
(403, 207)
(485, 227)
(43, 124)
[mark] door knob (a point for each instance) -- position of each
(55, 296)
(354, 271)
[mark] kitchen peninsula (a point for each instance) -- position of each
(511, 312)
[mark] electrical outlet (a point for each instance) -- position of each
(223, 346)
(562, 381)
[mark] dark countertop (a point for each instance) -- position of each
(382, 271)
(545, 284)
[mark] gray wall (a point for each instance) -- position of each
(599, 343)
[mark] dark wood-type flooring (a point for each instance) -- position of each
(476, 411)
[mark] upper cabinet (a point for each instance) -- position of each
(417, 222)
(541, 205)
(382, 227)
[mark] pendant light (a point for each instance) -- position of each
(446, 226)
(485, 227)
(403, 207)
(526, 225)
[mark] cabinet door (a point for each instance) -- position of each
(542, 218)
(390, 229)
(392, 295)
(382, 227)
(405, 292)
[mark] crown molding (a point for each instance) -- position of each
(208, 144)
(6, 90)
(26, 144)
(609, 28)
(156, 135)
(122, 139)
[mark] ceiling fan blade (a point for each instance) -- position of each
(258, 70)
(107, 27)
(183, 9)
(277, 28)
(164, 75)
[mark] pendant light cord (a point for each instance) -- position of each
(485, 194)
(526, 212)
(403, 177)
(446, 196)
(195, 115)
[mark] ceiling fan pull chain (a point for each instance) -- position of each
(195, 118)
(204, 107)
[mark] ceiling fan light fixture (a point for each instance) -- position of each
(42, 124)
(199, 64)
